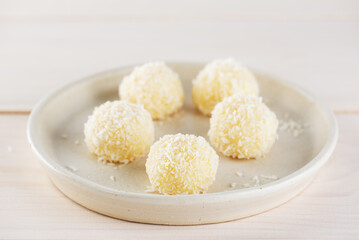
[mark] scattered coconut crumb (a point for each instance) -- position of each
(239, 174)
(288, 124)
(270, 177)
(150, 189)
(113, 178)
(233, 185)
(64, 136)
(77, 142)
(111, 164)
(125, 161)
(10, 149)
(72, 168)
(256, 180)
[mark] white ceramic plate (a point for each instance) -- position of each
(294, 160)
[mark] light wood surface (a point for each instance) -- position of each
(32, 208)
(44, 44)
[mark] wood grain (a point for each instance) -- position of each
(32, 208)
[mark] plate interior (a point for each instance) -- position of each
(68, 110)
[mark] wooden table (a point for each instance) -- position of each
(45, 44)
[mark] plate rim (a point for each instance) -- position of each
(312, 166)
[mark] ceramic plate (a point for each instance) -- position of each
(307, 137)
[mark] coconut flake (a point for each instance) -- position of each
(72, 168)
(150, 189)
(294, 127)
(63, 136)
(256, 180)
(270, 177)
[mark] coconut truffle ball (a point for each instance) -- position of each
(219, 79)
(181, 164)
(242, 126)
(119, 131)
(157, 87)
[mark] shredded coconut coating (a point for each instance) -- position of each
(219, 79)
(242, 126)
(119, 131)
(181, 164)
(155, 86)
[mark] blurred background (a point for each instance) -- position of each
(46, 43)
